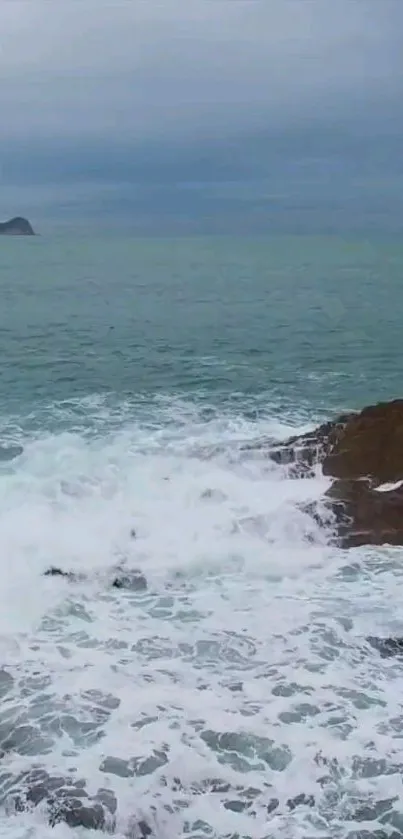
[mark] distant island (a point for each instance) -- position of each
(16, 227)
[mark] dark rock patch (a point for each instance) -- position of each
(58, 572)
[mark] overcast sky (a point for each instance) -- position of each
(100, 100)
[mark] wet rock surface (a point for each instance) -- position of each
(303, 452)
(371, 445)
(363, 453)
(365, 516)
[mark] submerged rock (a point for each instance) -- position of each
(17, 226)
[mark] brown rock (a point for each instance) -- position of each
(361, 451)
(303, 452)
(364, 515)
(370, 445)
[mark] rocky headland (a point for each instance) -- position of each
(17, 226)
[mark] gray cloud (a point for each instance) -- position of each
(207, 68)
(206, 114)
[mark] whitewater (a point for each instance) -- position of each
(236, 695)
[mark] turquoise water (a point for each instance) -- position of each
(132, 374)
(267, 318)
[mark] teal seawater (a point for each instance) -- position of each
(301, 321)
(234, 694)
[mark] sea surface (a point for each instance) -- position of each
(235, 695)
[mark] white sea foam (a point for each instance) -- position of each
(240, 677)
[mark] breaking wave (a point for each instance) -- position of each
(234, 694)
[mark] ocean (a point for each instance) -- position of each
(232, 693)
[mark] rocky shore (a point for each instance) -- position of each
(362, 453)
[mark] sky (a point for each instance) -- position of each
(204, 115)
